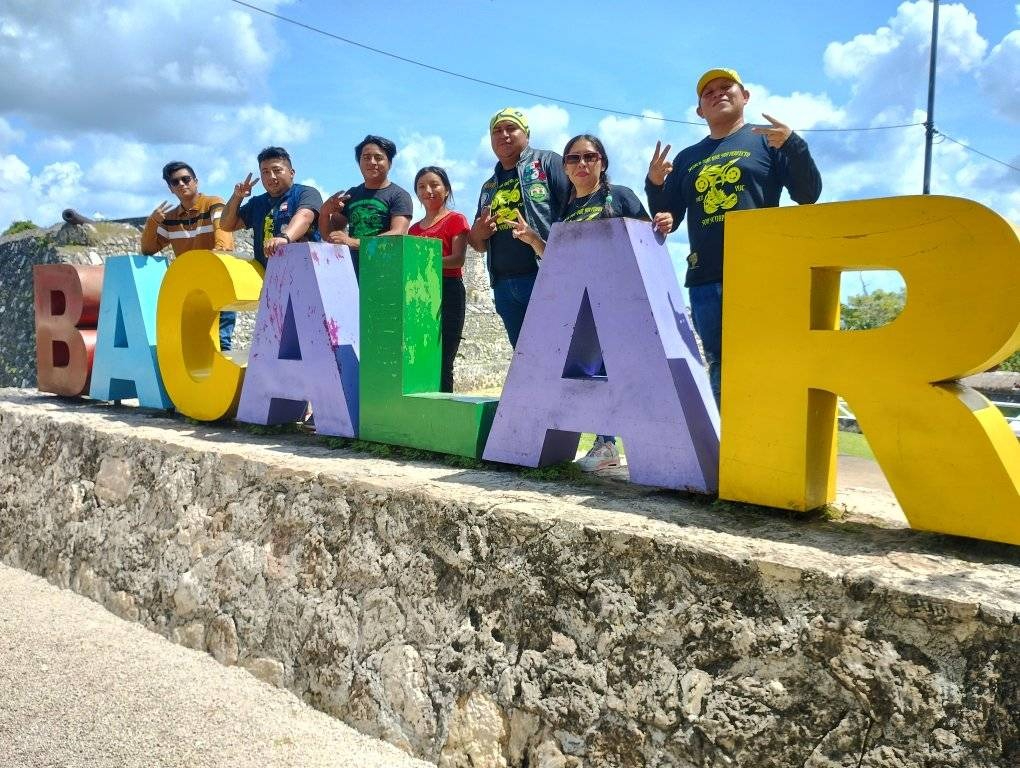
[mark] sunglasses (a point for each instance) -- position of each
(184, 180)
(589, 157)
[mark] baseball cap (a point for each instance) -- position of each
(712, 74)
(510, 115)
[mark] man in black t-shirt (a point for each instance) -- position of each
(527, 181)
(736, 167)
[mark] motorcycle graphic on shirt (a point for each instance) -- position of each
(710, 181)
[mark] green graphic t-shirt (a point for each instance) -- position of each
(371, 211)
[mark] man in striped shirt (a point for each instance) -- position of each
(194, 224)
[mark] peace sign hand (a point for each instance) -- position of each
(244, 188)
(777, 135)
(660, 166)
(159, 214)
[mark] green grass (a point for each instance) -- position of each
(854, 444)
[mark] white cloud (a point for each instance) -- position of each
(889, 67)
(268, 125)
(140, 67)
(998, 76)
(124, 166)
(55, 145)
(14, 180)
(8, 134)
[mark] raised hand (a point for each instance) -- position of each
(776, 134)
(485, 225)
(523, 232)
(243, 188)
(660, 166)
(159, 214)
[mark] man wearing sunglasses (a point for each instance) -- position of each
(193, 224)
(526, 181)
(737, 167)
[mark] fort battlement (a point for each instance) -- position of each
(476, 617)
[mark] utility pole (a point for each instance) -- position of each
(929, 124)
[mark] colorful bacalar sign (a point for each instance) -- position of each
(368, 360)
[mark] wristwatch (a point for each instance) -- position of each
(285, 236)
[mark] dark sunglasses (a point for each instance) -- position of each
(181, 180)
(589, 157)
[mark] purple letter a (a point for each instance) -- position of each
(305, 345)
(607, 291)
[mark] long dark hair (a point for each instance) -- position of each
(441, 173)
(607, 208)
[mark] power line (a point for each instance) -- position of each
(500, 86)
(976, 151)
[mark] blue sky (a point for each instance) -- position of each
(94, 101)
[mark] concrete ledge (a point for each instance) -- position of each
(478, 619)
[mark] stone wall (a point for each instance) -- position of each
(482, 361)
(479, 619)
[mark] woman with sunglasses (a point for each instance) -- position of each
(593, 197)
(432, 186)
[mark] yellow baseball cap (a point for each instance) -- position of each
(712, 74)
(510, 115)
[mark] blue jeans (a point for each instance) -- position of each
(706, 311)
(511, 296)
(227, 320)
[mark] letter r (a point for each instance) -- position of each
(948, 454)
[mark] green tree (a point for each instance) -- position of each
(871, 310)
(18, 226)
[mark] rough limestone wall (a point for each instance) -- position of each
(482, 361)
(474, 619)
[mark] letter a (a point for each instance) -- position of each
(125, 360)
(607, 291)
(948, 454)
(305, 346)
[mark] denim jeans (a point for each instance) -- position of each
(227, 320)
(511, 296)
(706, 311)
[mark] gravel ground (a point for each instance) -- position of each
(80, 687)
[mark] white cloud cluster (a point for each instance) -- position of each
(139, 67)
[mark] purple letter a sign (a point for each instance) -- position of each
(305, 345)
(607, 292)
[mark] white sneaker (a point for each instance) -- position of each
(601, 456)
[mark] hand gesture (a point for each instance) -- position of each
(776, 135)
(660, 166)
(336, 202)
(160, 212)
(526, 234)
(485, 225)
(243, 188)
(662, 223)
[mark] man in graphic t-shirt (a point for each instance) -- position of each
(525, 180)
(737, 167)
(285, 213)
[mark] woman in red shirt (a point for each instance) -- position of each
(432, 186)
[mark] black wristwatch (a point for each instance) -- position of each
(286, 237)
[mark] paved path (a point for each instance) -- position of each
(80, 688)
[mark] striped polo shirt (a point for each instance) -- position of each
(188, 230)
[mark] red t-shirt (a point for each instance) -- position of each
(444, 230)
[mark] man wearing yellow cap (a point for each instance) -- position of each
(526, 182)
(736, 167)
